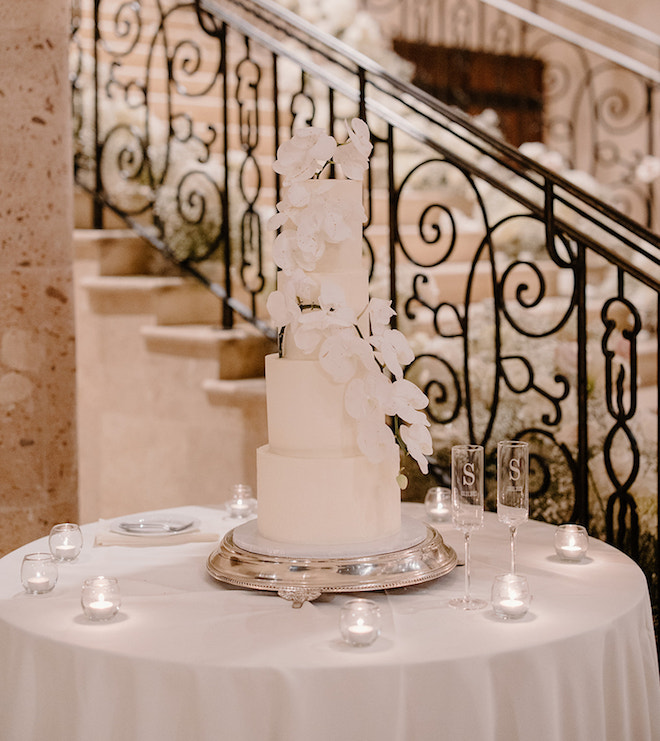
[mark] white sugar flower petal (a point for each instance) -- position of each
(308, 249)
(323, 146)
(375, 439)
(299, 284)
(307, 335)
(343, 355)
(380, 313)
(282, 309)
(335, 227)
(417, 439)
(276, 221)
(352, 162)
(355, 398)
(284, 247)
(394, 350)
(304, 154)
(298, 195)
(408, 396)
(404, 400)
(337, 359)
(332, 295)
(411, 416)
(360, 135)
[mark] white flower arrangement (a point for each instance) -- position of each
(361, 351)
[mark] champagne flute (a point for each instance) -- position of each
(512, 488)
(467, 507)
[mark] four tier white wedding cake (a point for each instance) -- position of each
(329, 474)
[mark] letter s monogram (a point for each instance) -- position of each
(468, 475)
(514, 469)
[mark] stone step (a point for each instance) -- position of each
(450, 280)
(219, 392)
(171, 300)
(83, 213)
(121, 252)
(239, 352)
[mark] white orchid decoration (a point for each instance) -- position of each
(307, 153)
(318, 318)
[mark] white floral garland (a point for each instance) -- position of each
(310, 223)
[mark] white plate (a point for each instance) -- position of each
(155, 532)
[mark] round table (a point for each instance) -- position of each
(190, 659)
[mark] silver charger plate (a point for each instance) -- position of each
(300, 573)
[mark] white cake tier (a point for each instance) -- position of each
(306, 414)
(326, 501)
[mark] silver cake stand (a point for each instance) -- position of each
(301, 573)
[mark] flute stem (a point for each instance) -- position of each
(512, 531)
(467, 565)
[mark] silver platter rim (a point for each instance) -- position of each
(301, 579)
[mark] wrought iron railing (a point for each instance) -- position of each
(601, 89)
(531, 304)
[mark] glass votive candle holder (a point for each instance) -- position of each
(242, 503)
(510, 596)
(38, 573)
(65, 541)
(438, 503)
(100, 597)
(571, 542)
(359, 622)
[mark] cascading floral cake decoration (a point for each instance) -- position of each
(328, 321)
(357, 348)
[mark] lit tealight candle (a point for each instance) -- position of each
(102, 609)
(438, 503)
(38, 584)
(38, 573)
(65, 541)
(510, 596)
(100, 597)
(242, 503)
(571, 542)
(359, 622)
(66, 552)
(513, 607)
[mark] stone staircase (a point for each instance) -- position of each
(171, 407)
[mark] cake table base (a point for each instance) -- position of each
(301, 573)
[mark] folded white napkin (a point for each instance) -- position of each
(192, 536)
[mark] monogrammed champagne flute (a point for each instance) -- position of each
(512, 488)
(467, 507)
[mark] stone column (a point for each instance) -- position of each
(38, 468)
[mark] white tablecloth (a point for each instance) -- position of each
(190, 659)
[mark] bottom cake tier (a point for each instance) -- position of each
(326, 501)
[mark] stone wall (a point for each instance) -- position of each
(38, 469)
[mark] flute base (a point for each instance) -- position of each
(468, 603)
